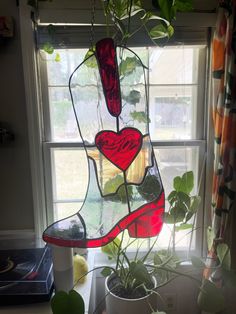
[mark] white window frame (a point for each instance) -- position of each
(38, 154)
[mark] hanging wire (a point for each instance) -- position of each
(92, 23)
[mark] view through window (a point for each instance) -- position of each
(176, 111)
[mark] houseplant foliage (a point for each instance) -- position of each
(133, 276)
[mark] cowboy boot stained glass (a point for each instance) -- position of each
(125, 189)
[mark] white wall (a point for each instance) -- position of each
(15, 182)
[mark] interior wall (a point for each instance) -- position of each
(16, 205)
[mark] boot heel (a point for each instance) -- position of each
(149, 224)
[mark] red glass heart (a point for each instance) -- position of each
(120, 148)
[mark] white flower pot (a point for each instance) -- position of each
(118, 305)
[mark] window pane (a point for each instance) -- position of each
(63, 122)
(172, 112)
(59, 72)
(64, 210)
(70, 174)
(176, 65)
(174, 161)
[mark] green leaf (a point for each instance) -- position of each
(172, 197)
(170, 30)
(210, 237)
(158, 31)
(59, 302)
(223, 253)
(185, 183)
(157, 312)
(169, 219)
(195, 203)
(165, 7)
(90, 60)
(128, 65)
(197, 262)
(139, 271)
(121, 9)
(183, 227)
(210, 298)
(184, 198)
(57, 57)
(188, 216)
(150, 188)
(48, 48)
(178, 212)
(150, 16)
(184, 5)
(106, 272)
(111, 249)
(64, 303)
(140, 116)
(76, 303)
(134, 97)
(167, 258)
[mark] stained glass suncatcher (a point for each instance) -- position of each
(125, 189)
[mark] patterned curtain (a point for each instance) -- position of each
(224, 120)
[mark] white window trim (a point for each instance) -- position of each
(33, 101)
(37, 148)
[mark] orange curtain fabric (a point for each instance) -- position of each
(224, 120)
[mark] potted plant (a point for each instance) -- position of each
(132, 282)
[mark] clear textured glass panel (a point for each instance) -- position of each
(172, 112)
(63, 122)
(175, 65)
(59, 72)
(70, 179)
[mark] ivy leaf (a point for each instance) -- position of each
(48, 48)
(172, 197)
(210, 298)
(224, 256)
(76, 303)
(139, 271)
(150, 16)
(185, 183)
(134, 97)
(106, 272)
(170, 30)
(158, 31)
(169, 219)
(165, 7)
(90, 60)
(150, 188)
(111, 249)
(178, 212)
(184, 198)
(140, 116)
(57, 57)
(64, 303)
(195, 203)
(128, 65)
(184, 5)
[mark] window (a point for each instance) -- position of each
(177, 125)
